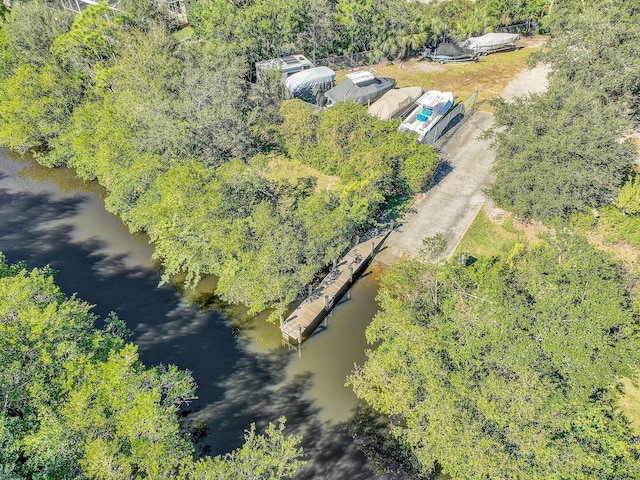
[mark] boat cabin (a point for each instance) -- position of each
(287, 65)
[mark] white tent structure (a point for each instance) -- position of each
(308, 84)
(395, 102)
(491, 42)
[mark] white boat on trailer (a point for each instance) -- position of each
(428, 111)
(492, 42)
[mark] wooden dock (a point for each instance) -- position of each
(305, 319)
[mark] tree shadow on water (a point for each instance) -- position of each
(37, 227)
(235, 387)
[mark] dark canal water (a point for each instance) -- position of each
(243, 376)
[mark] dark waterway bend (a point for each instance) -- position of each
(243, 375)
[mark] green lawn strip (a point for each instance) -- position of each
(486, 238)
(280, 168)
(618, 227)
(183, 34)
(630, 404)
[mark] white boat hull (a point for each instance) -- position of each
(428, 111)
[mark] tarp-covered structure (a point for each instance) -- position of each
(363, 93)
(309, 84)
(490, 42)
(394, 102)
(452, 52)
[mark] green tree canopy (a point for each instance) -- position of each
(597, 45)
(507, 369)
(77, 403)
(559, 153)
(345, 140)
(30, 30)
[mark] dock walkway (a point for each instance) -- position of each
(299, 326)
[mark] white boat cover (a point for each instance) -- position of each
(309, 77)
(394, 102)
(308, 84)
(361, 76)
(490, 40)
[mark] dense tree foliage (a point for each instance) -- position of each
(561, 151)
(597, 45)
(262, 29)
(345, 141)
(174, 133)
(75, 402)
(507, 369)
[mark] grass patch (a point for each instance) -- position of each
(630, 404)
(491, 74)
(280, 168)
(485, 238)
(616, 227)
(183, 34)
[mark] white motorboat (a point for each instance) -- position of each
(428, 111)
(491, 43)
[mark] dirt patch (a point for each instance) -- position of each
(530, 229)
(529, 81)
(425, 66)
(623, 251)
(490, 75)
(534, 41)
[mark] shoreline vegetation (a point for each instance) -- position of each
(78, 402)
(511, 363)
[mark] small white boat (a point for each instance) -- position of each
(428, 110)
(492, 42)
